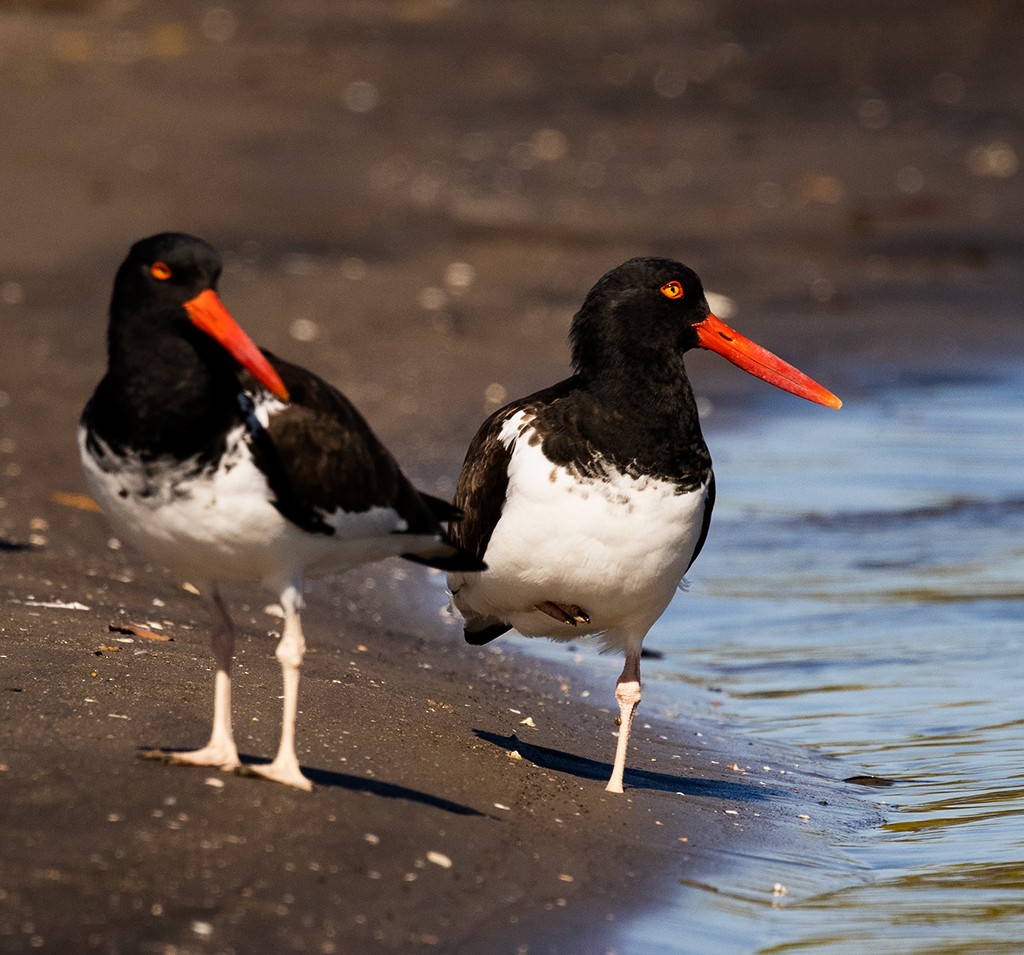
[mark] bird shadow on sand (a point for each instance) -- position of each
(584, 768)
(328, 779)
(8, 546)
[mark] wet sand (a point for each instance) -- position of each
(862, 210)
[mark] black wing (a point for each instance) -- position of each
(709, 505)
(480, 498)
(320, 456)
(483, 481)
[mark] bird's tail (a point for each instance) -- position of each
(442, 510)
(448, 557)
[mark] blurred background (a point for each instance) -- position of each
(412, 199)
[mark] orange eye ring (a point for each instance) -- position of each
(160, 270)
(672, 289)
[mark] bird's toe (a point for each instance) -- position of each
(570, 614)
(285, 774)
(224, 759)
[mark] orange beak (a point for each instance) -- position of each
(714, 335)
(209, 315)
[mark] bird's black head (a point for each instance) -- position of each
(637, 322)
(161, 274)
(174, 353)
(643, 309)
(167, 321)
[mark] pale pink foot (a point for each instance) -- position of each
(279, 771)
(210, 755)
(220, 751)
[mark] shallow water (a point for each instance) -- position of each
(861, 596)
(861, 599)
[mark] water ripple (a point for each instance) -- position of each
(860, 596)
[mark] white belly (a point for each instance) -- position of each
(221, 524)
(617, 547)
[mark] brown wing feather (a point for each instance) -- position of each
(320, 456)
(483, 481)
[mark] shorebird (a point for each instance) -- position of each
(590, 500)
(224, 462)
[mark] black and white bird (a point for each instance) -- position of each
(224, 462)
(589, 500)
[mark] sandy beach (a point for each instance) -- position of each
(412, 200)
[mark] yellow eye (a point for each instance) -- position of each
(160, 270)
(672, 289)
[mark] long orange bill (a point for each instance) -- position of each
(209, 315)
(714, 335)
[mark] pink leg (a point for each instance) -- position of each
(291, 648)
(627, 692)
(220, 751)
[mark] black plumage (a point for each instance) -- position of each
(227, 462)
(590, 499)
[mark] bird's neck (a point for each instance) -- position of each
(171, 395)
(644, 386)
(646, 425)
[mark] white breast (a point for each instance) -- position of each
(219, 523)
(616, 546)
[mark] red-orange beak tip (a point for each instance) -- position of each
(282, 392)
(714, 335)
(208, 314)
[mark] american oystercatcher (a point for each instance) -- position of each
(589, 500)
(224, 462)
